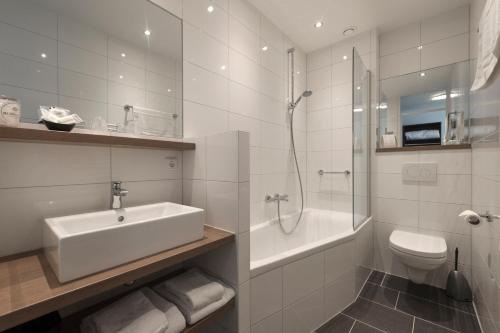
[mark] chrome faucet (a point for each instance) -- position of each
(117, 193)
(277, 197)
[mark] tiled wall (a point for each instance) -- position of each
(82, 68)
(231, 83)
(430, 208)
(216, 178)
(329, 119)
(42, 180)
(485, 193)
(300, 296)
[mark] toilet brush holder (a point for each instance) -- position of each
(457, 286)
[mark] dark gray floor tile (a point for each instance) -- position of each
(376, 293)
(339, 324)
(422, 326)
(362, 328)
(441, 315)
(376, 277)
(379, 316)
(425, 291)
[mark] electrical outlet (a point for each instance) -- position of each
(172, 162)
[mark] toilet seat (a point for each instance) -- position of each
(424, 246)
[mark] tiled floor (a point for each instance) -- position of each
(392, 304)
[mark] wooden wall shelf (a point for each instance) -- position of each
(29, 288)
(421, 148)
(34, 132)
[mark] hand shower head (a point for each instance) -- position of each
(293, 105)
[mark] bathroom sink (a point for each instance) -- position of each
(83, 244)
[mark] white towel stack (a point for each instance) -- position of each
(141, 311)
(196, 294)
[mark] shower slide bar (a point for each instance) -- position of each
(323, 172)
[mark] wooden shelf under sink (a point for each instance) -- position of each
(29, 288)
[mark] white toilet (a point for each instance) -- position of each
(419, 253)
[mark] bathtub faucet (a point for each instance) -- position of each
(277, 197)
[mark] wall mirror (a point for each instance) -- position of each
(425, 108)
(119, 67)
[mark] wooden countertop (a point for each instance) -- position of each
(29, 288)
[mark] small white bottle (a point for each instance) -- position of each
(10, 111)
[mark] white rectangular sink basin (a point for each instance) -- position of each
(83, 244)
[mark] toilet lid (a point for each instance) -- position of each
(418, 245)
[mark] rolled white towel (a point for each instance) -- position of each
(194, 289)
(176, 321)
(130, 314)
(193, 316)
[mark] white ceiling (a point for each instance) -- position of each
(296, 18)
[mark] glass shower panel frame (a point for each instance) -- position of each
(360, 175)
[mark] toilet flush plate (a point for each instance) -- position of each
(420, 172)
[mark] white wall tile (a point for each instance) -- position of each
(25, 208)
(222, 157)
(400, 63)
(319, 59)
(400, 212)
(204, 87)
(319, 78)
(123, 73)
(29, 16)
(244, 40)
(82, 61)
(222, 205)
(446, 51)
(306, 314)
(147, 192)
(200, 120)
(271, 34)
(194, 193)
(27, 164)
(246, 14)
(214, 23)
(133, 55)
(130, 164)
(273, 323)
(448, 189)
(27, 45)
(404, 38)
(266, 295)
(27, 74)
(445, 25)
(78, 85)
(205, 51)
(310, 269)
(84, 36)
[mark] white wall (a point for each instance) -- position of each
(485, 193)
(329, 119)
(430, 208)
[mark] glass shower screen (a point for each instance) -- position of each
(360, 140)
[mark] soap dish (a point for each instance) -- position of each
(58, 127)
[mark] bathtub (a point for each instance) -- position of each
(318, 230)
(322, 265)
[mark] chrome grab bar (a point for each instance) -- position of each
(345, 172)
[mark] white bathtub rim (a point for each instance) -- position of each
(259, 267)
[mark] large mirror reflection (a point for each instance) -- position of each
(118, 67)
(430, 107)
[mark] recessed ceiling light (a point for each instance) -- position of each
(169, 90)
(121, 76)
(147, 32)
(298, 72)
(358, 88)
(420, 47)
(43, 55)
(210, 9)
(344, 57)
(318, 24)
(422, 74)
(349, 30)
(123, 55)
(265, 48)
(223, 67)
